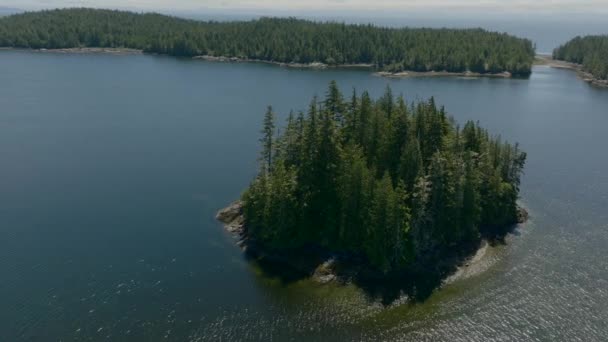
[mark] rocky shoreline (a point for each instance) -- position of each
(319, 65)
(540, 60)
(112, 51)
(323, 267)
(313, 65)
(582, 74)
(407, 74)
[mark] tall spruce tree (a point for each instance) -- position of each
(268, 139)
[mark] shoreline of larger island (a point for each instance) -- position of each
(314, 65)
(586, 76)
(360, 66)
(540, 60)
(586, 55)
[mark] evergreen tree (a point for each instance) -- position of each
(267, 139)
(334, 103)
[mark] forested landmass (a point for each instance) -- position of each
(590, 51)
(286, 40)
(384, 179)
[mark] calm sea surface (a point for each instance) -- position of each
(112, 168)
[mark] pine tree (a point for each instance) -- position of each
(354, 184)
(365, 117)
(267, 140)
(351, 122)
(471, 205)
(410, 165)
(334, 103)
(387, 101)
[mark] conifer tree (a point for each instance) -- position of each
(267, 139)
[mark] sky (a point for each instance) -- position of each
(546, 7)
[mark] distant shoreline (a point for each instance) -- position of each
(539, 60)
(111, 51)
(313, 65)
(582, 74)
(407, 74)
(361, 66)
(294, 65)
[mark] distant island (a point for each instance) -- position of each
(587, 54)
(376, 189)
(288, 41)
(8, 11)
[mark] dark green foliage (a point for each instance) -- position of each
(590, 51)
(381, 179)
(273, 39)
(267, 140)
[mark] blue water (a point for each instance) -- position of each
(112, 168)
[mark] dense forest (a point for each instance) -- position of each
(286, 40)
(590, 51)
(389, 180)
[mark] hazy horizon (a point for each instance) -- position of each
(547, 6)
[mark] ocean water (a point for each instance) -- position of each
(112, 169)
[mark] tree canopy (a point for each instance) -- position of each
(590, 51)
(389, 180)
(283, 40)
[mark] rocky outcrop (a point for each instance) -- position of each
(326, 272)
(232, 218)
(323, 266)
(522, 215)
(584, 75)
(406, 74)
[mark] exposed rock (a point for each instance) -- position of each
(432, 73)
(325, 272)
(322, 266)
(95, 50)
(522, 215)
(232, 217)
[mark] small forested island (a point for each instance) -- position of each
(589, 52)
(383, 187)
(278, 40)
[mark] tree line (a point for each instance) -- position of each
(285, 40)
(590, 51)
(384, 179)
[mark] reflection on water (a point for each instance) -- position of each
(113, 168)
